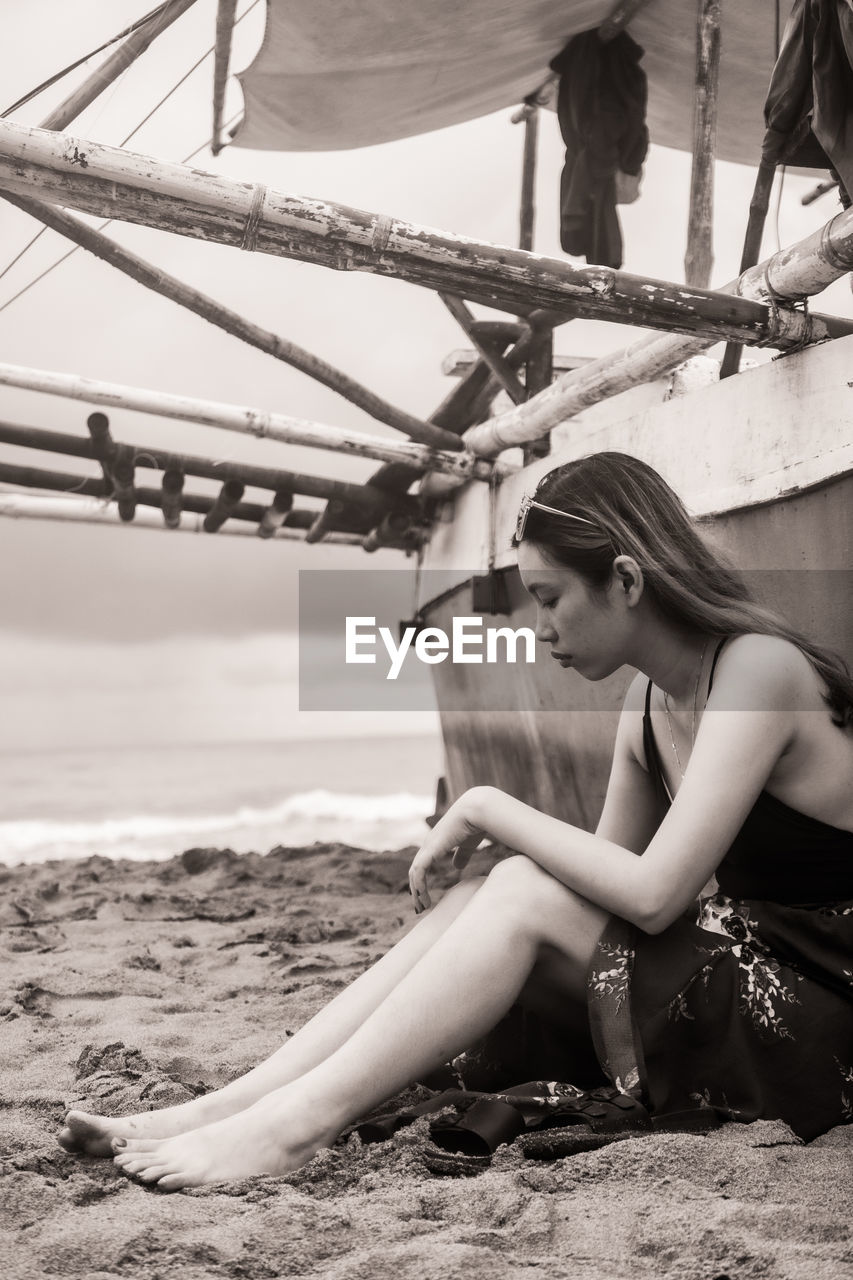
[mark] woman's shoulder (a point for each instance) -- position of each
(766, 671)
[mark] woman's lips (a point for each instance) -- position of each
(564, 659)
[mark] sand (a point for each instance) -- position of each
(127, 985)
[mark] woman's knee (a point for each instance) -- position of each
(521, 878)
(520, 887)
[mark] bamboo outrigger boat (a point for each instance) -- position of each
(764, 458)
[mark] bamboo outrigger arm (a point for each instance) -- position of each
(93, 511)
(109, 182)
(228, 506)
(372, 501)
(247, 421)
(791, 275)
(127, 52)
(231, 322)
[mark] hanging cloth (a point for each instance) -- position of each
(809, 106)
(601, 107)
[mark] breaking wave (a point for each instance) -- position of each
(368, 822)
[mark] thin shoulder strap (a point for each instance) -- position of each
(714, 663)
(650, 747)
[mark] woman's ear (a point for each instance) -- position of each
(628, 577)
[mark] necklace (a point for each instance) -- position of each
(693, 721)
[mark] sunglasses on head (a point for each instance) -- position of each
(528, 504)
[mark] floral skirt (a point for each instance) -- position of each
(747, 1009)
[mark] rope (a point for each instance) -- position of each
(46, 84)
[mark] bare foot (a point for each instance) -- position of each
(92, 1135)
(273, 1136)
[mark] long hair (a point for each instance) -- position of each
(634, 512)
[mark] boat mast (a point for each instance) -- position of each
(700, 253)
(225, 15)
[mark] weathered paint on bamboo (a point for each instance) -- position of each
(820, 258)
(238, 326)
(115, 65)
(700, 253)
(247, 421)
(107, 181)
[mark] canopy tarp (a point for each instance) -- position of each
(335, 74)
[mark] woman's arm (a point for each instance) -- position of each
(748, 723)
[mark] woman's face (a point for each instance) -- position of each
(582, 628)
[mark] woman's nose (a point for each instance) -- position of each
(544, 630)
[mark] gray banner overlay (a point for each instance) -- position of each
(466, 643)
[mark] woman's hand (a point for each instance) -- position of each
(458, 832)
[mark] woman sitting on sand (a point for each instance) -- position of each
(734, 756)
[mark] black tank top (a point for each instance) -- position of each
(779, 854)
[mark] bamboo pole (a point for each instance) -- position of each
(224, 318)
(123, 482)
(172, 489)
(194, 503)
(467, 322)
(225, 14)
(527, 212)
(273, 517)
(373, 501)
(247, 421)
(18, 506)
(224, 505)
(104, 75)
(103, 446)
(793, 273)
(105, 180)
(700, 253)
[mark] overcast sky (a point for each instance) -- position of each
(82, 606)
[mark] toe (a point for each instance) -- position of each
(68, 1139)
(173, 1181)
(135, 1144)
(133, 1164)
(154, 1172)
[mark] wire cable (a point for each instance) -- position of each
(123, 143)
(20, 255)
(46, 84)
(75, 247)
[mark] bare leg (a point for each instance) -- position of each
(322, 1035)
(457, 991)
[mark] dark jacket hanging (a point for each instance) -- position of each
(601, 107)
(809, 106)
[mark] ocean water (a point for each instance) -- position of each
(374, 792)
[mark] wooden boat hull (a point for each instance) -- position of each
(764, 461)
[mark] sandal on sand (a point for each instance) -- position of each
(583, 1120)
